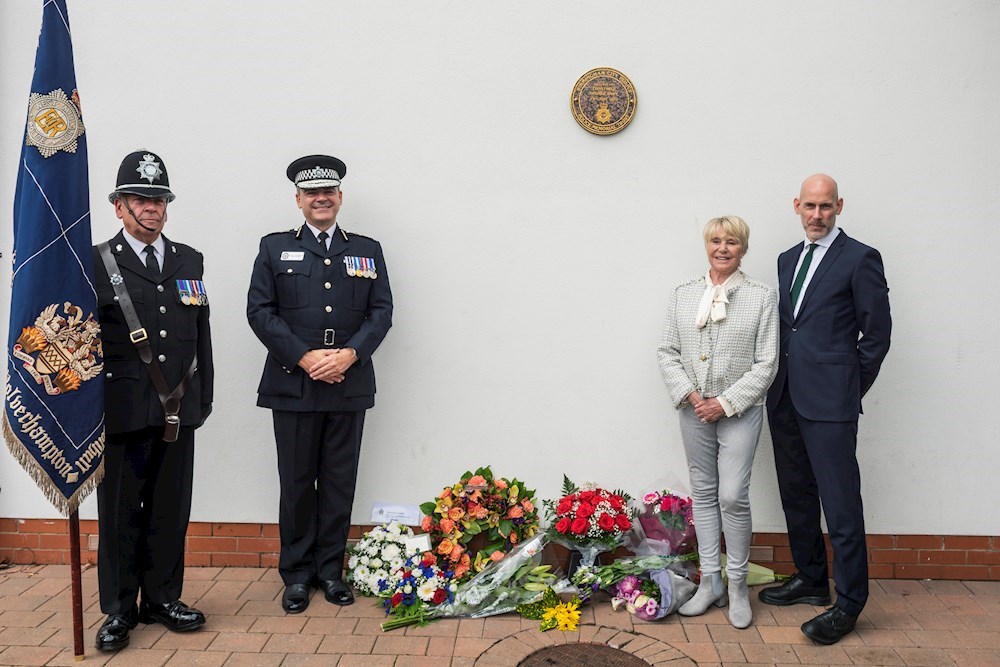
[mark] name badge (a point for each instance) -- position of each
(293, 256)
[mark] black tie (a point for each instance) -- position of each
(151, 264)
(322, 237)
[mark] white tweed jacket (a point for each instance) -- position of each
(736, 358)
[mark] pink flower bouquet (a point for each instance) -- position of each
(666, 519)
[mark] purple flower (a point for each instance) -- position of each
(647, 612)
(627, 586)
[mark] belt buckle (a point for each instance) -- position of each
(137, 336)
(328, 337)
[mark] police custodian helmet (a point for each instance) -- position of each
(142, 173)
(316, 171)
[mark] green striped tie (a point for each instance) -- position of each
(800, 277)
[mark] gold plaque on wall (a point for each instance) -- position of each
(603, 101)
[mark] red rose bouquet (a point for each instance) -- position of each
(590, 519)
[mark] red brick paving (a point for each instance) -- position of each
(939, 622)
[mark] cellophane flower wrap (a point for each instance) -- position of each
(589, 519)
(668, 523)
(499, 509)
(420, 585)
(517, 579)
(374, 563)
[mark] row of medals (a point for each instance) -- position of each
(191, 297)
(360, 267)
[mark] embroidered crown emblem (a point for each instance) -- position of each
(61, 351)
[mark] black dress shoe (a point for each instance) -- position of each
(337, 591)
(829, 627)
(113, 634)
(296, 598)
(176, 615)
(795, 591)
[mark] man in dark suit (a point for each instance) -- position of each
(835, 325)
(320, 302)
(144, 502)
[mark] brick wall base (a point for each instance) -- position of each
(969, 557)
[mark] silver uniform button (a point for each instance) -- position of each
(108, 375)
(329, 309)
(327, 285)
(327, 261)
(163, 333)
(162, 358)
(289, 271)
(163, 309)
(159, 288)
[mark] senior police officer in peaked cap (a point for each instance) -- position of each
(320, 302)
(153, 309)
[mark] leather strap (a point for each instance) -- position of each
(170, 400)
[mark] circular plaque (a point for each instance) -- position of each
(603, 101)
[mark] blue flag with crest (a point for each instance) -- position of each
(53, 419)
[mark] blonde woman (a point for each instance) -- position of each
(718, 356)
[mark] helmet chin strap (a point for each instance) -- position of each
(135, 217)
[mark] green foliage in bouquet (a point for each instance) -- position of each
(500, 510)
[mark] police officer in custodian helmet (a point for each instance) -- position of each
(153, 309)
(320, 302)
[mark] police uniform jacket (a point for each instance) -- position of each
(302, 298)
(177, 332)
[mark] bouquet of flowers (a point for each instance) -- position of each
(649, 587)
(419, 585)
(639, 596)
(498, 509)
(589, 519)
(374, 562)
(668, 523)
(553, 612)
(517, 579)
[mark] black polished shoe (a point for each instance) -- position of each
(337, 591)
(829, 627)
(113, 634)
(296, 598)
(177, 616)
(795, 591)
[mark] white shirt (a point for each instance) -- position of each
(329, 233)
(159, 247)
(822, 245)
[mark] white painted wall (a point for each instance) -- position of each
(531, 261)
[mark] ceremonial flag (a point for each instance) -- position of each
(53, 418)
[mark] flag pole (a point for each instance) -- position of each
(74, 573)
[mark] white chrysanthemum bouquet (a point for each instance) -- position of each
(375, 562)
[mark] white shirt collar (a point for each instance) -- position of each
(329, 233)
(827, 240)
(159, 246)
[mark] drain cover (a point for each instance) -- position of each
(582, 655)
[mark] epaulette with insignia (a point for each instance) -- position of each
(283, 231)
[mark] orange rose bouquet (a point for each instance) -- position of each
(500, 512)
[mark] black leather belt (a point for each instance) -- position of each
(169, 399)
(321, 337)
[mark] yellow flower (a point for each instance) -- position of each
(566, 615)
